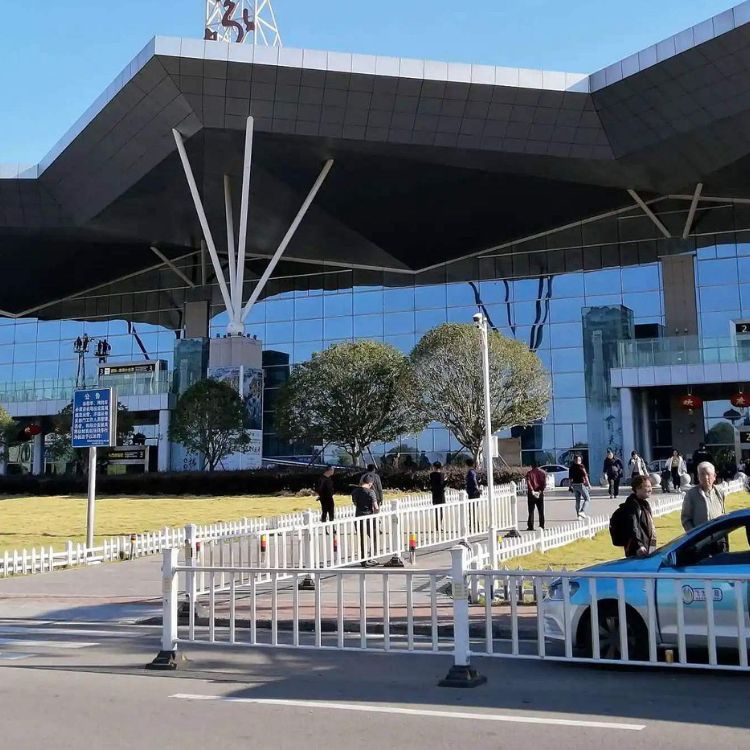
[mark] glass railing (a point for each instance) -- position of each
(137, 384)
(681, 350)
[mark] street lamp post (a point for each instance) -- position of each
(480, 321)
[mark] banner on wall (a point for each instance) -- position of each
(249, 384)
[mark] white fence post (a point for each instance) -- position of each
(461, 674)
(463, 515)
(166, 659)
(307, 583)
(514, 510)
(191, 555)
(492, 545)
(397, 540)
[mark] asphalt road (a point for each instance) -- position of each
(63, 685)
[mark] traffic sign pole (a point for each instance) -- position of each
(91, 508)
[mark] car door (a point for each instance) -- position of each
(706, 555)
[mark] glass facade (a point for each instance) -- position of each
(547, 312)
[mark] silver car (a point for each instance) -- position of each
(719, 549)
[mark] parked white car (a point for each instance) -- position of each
(558, 472)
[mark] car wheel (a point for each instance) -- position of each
(564, 482)
(609, 634)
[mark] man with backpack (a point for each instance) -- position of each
(325, 495)
(632, 524)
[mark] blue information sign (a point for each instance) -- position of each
(94, 413)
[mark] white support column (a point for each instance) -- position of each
(244, 208)
(628, 422)
(691, 212)
(287, 238)
(651, 215)
(230, 243)
(164, 447)
(203, 222)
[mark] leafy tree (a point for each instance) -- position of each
(447, 363)
(353, 395)
(210, 419)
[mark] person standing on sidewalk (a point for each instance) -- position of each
(536, 482)
(677, 468)
(579, 483)
(437, 489)
(377, 484)
(472, 481)
(641, 537)
(366, 506)
(703, 502)
(637, 466)
(325, 495)
(613, 470)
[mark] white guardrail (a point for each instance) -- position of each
(527, 614)
(293, 539)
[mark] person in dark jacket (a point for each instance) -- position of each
(437, 489)
(472, 481)
(579, 483)
(325, 495)
(536, 483)
(642, 537)
(377, 484)
(613, 470)
(366, 506)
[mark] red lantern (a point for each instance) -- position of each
(33, 429)
(690, 402)
(740, 399)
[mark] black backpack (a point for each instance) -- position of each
(620, 526)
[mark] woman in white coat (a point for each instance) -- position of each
(677, 468)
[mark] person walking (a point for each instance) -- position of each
(377, 484)
(366, 506)
(637, 466)
(703, 502)
(325, 495)
(580, 484)
(613, 470)
(437, 489)
(472, 481)
(536, 482)
(676, 468)
(641, 533)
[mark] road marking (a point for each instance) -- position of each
(43, 643)
(414, 712)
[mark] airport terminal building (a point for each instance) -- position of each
(602, 219)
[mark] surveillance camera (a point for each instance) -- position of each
(478, 318)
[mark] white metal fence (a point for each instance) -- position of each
(292, 539)
(566, 617)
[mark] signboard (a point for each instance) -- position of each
(133, 368)
(127, 455)
(745, 437)
(94, 418)
(742, 327)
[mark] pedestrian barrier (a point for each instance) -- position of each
(283, 536)
(568, 617)
(403, 526)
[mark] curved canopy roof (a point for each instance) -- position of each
(433, 163)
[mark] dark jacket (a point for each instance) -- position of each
(613, 468)
(325, 490)
(377, 484)
(642, 531)
(437, 487)
(472, 484)
(577, 474)
(365, 501)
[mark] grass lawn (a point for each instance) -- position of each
(50, 521)
(600, 549)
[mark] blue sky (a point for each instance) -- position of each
(61, 63)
